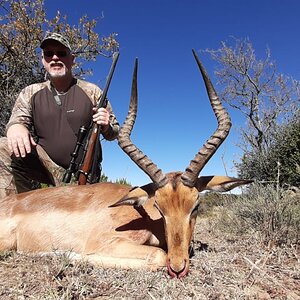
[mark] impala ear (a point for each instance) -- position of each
(136, 197)
(219, 183)
(149, 188)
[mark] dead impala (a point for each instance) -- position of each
(114, 225)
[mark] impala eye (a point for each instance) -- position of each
(157, 207)
(195, 209)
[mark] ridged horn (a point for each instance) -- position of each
(189, 177)
(138, 157)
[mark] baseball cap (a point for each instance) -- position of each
(55, 37)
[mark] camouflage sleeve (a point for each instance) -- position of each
(22, 110)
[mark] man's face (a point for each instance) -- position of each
(57, 59)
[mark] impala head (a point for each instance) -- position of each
(176, 195)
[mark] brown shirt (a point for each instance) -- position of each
(56, 126)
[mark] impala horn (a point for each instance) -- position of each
(138, 157)
(189, 177)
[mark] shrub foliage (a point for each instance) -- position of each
(273, 215)
(280, 163)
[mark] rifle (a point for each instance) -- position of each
(92, 138)
(73, 165)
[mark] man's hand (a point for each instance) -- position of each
(101, 117)
(20, 140)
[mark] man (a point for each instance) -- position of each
(42, 130)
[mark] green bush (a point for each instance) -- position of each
(280, 163)
(122, 181)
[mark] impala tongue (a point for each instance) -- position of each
(170, 271)
(179, 274)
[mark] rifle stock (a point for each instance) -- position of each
(89, 154)
(95, 130)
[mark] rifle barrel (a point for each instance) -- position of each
(96, 129)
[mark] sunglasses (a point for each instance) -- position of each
(57, 53)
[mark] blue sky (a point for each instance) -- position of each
(174, 117)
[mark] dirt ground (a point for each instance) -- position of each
(222, 268)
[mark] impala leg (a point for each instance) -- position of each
(123, 253)
(8, 239)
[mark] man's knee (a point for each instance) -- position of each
(5, 154)
(7, 184)
(29, 172)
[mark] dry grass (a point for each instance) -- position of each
(273, 215)
(224, 266)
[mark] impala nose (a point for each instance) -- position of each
(178, 272)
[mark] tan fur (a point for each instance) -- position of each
(80, 219)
